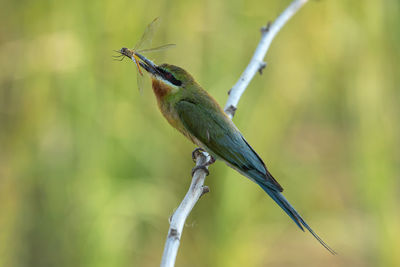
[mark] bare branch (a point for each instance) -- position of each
(256, 63)
(197, 188)
(177, 220)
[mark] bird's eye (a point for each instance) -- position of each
(169, 77)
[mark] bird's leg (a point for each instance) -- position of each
(205, 165)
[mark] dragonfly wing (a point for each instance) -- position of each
(147, 36)
(139, 73)
(139, 81)
(156, 49)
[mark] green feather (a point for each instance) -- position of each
(223, 140)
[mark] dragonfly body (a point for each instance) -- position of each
(142, 46)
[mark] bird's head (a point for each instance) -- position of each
(166, 79)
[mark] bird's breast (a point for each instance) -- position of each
(169, 112)
(173, 118)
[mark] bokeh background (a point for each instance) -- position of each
(90, 171)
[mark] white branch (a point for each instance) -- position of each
(257, 61)
(196, 189)
(177, 220)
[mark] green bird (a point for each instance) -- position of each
(194, 113)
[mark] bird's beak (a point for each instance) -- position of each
(148, 65)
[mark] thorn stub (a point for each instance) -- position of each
(265, 29)
(262, 66)
(231, 110)
(206, 189)
(229, 92)
(173, 233)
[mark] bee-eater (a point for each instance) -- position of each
(193, 112)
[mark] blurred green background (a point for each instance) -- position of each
(90, 171)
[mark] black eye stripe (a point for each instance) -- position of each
(169, 77)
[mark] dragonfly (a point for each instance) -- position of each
(141, 47)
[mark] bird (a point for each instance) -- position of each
(197, 115)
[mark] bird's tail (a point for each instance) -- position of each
(285, 205)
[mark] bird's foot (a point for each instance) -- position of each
(211, 161)
(205, 165)
(195, 151)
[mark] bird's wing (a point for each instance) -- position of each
(224, 140)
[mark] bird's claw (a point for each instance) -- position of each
(205, 165)
(211, 161)
(195, 151)
(202, 167)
